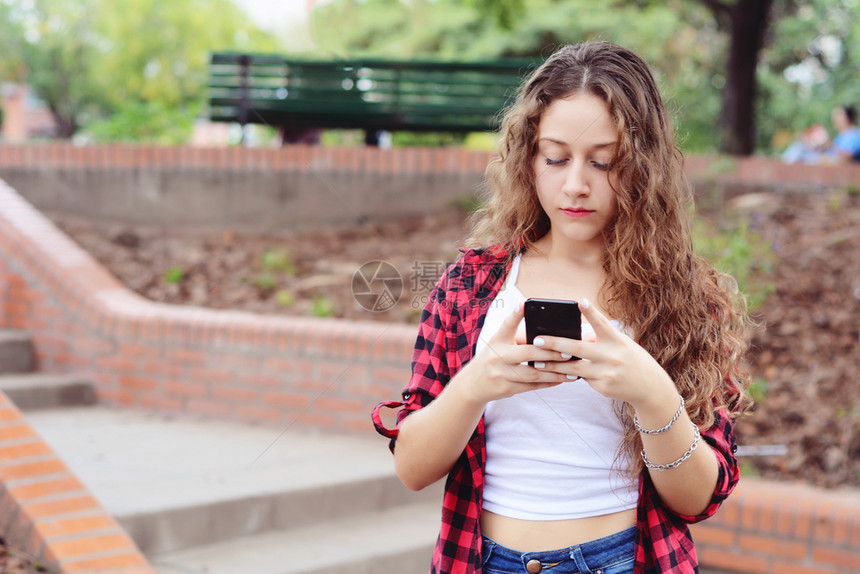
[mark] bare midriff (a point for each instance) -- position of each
(542, 535)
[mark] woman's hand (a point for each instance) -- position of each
(612, 363)
(500, 370)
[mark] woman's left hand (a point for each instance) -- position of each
(612, 363)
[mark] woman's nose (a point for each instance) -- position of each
(575, 182)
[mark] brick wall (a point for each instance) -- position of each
(46, 512)
(772, 527)
(327, 374)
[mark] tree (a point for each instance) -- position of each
(90, 59)
(745, 22)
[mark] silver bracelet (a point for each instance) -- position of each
(661, 429)
(677, 463)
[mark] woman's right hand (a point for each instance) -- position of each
(501, 369)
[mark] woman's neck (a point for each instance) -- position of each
(582, 255)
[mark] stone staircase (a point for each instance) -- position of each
(212, 497)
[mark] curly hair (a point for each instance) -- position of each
(688, 316)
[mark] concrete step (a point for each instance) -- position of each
(16, 352)
(30, 391)
(397, 540)
(176, 484)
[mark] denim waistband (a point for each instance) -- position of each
(601, 551)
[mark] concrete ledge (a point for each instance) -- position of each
(47, 390)
(46, 511)
(16, 352)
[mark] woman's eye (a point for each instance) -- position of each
(550, 161)
(601, 166)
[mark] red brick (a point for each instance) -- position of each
(8, 413)
(32, 469)
(341, 405)
(286, 399)
(733, 561)
(804, 509)
(207, 407)
(279, 366)
(24, 451)
(127, 563)
(782, 567)
(837, 557)
(234, 393)
(32, 491)
(60, 507)
(97, 544)
(165, 369)
(139, 351)
(186, 356)
(262, 380)
(705, 533)
(51, 527)
(121, 364)
(773, 546)
(210, 375)
(183, 388)
(823, 522)
(16, 432)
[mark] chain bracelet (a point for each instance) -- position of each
(661, 429)
(677, 463)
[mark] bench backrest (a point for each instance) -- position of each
(366, 94)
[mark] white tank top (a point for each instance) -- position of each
(551, 453)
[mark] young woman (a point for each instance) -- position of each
(598, 464)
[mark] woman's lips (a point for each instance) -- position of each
(577, 212)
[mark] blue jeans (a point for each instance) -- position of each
(612, 554)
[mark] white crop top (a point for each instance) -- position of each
(551, 453)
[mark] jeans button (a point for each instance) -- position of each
(533, 566)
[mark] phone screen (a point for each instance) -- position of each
(553, 317)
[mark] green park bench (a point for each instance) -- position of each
(371, 95)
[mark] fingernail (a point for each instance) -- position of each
(572, 377)
(539, 342)
(539, 364)
(585, 304)
(565, 356)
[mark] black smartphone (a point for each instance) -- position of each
(554, 317)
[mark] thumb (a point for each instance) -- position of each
(508, 329)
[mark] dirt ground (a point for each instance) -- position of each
(805, 357)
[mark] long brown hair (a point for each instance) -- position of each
(687, 315)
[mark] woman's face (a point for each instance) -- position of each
(576, 142)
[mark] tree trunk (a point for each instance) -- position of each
(66, 126)
(747, 20)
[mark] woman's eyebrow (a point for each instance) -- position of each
(565, 144)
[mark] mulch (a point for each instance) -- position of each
(805, 356)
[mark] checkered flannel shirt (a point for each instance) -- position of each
(447, 335)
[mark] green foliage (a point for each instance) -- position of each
(467, 203)
(734, 248)
(145, 122)
(266, 281)
(285, 298)
(108, 65)
(758, 390)
(321, 306)
(174, 276)
(278, 260)
(426, 139)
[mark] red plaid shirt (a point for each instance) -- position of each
(447, 335)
